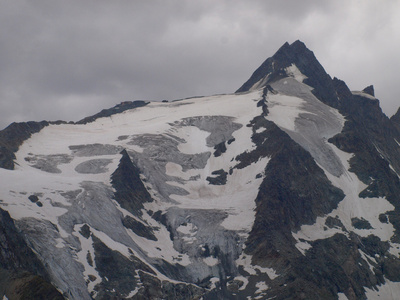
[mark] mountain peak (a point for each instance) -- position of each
(297, 53)
(272, 68)
(232, 196)
(297, 47)
(369, 90)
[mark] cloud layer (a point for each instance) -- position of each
(69, 59)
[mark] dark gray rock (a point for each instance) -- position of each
(360, 223)
(220, 148)
(22, 274)
(395, 119)
(33, 198)
(12, 137)
(119, 273)
(334, 222)
(139, 228)
(219, 178)
(130, 190)
(369, 90)
(297, 53)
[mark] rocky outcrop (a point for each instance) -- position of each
(369, 90)
(295, 191)
(12, 137)
(22, 274)
(130, 190)
(289, 198)
(371, 136)
(274, 68)
(396, 120)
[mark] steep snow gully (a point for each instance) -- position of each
(168, 200)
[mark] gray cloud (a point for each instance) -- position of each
(67, 60)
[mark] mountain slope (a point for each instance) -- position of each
(287, 189)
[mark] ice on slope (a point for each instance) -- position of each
(92, 152)
(308, 121)
(294, 72)
(352, 206)
(90, 269)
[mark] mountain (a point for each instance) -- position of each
(287, 189)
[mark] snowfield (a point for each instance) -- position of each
(68, 168)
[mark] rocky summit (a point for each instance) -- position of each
(286, 189)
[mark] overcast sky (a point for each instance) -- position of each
(70, 59)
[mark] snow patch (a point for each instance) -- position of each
(342, 296)
(302, 246)
(294, 72)
(244, 280)
(213, 281)
(389, 290)
(245, 261)
(194, 140)
(397, 142)
(394, 249)
(368, 259)
(87, 250)
(262, 287)
(133, 293)
(284, 110)
(352, 206)
(362, 94)
(391, 167)
(210, 261)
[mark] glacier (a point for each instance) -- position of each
(283, 190)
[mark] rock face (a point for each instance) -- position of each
(287, 189)
(396, 119)
(296, 54)
(12, 137)
(130, 193)
(23, 276)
